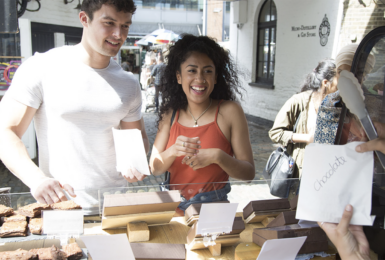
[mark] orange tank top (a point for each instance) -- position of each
(211, 137)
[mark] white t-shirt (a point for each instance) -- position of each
(77, 106)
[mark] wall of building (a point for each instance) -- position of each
(215, 19)
(359, 19)
(54, 12)
(297, 53)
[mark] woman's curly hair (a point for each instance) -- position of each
(228, 84)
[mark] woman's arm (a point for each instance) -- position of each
(241, 166)
(162, 159)
(282, 131)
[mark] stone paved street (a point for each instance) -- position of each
(261, 146)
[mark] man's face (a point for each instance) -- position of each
(108, 30)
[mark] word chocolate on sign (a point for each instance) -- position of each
(318, 184)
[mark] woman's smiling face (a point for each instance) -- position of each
(197, 76)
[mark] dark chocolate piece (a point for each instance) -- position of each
(285, 218)
(158, 251)
(66, 205)
(14, 229)
(19, 254)
(5, 211)
(265, 205)
(73, 251)
(33, 210)
(36, 225)
(313, 233)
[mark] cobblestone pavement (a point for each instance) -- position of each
(260, 142)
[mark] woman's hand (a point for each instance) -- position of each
(185, 146)
(349, 240)
(377, 144)
(203, 159)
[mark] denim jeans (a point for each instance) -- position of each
(205, 197)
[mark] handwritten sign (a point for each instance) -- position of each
(57, 222)
(332, 177)
(339, 161)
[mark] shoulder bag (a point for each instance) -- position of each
(279, 170)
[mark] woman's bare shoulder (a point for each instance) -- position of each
(231, 108)
(166, 118)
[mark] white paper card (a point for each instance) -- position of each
(282, 249)
(130, 152)
(109, 247)
(332, 177)
(216, 218)
(56, 222)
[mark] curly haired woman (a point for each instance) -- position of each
(202, 134)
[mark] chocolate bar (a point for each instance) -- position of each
(36, 225)
(73, 251)
(265, 205)
(14, 229)
(66, 205)
(19, 254)
(316, 238)
(5, 211)
(33, 210)
(285, 218)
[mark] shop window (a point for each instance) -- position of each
(266, 44)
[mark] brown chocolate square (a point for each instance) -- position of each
(33, 210)
(14, 229)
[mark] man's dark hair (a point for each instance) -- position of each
(91, 6)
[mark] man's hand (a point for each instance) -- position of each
(377, 144)
(132, 175)
(50, 191)
(349, 240)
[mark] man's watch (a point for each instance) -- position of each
(291, 139)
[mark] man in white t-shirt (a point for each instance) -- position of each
(75, 94)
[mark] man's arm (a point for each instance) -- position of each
(15, 118)
(133, 173)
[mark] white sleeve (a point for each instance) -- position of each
(26, 86)
(135, 112)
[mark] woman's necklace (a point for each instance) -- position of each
(195, 120)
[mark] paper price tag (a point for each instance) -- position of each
(56, 222)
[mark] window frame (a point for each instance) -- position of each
(259, 81)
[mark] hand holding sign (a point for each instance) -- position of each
(350, 240)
